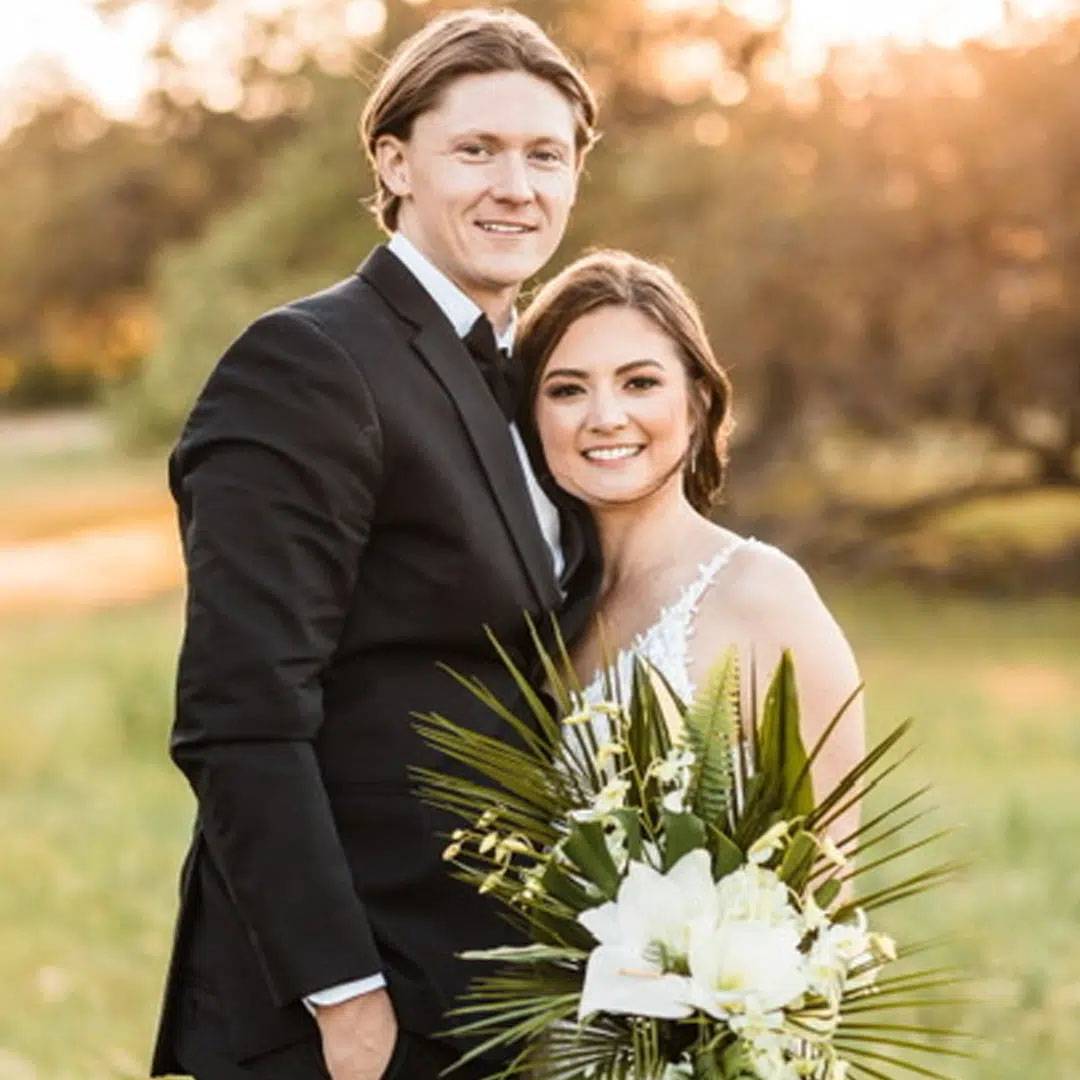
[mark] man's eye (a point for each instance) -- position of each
(472, 149)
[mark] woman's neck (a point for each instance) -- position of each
(645, 536)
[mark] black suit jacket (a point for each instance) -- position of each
(352, 512)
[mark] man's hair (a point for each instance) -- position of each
(473, 42)
(621, 280)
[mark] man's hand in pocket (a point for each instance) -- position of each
(358, 1036)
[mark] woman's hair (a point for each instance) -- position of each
(473, 42)
(619, 279)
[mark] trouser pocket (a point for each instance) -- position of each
(395, 1068)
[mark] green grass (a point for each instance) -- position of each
(995, 688)
(94, 820)
(93, 824)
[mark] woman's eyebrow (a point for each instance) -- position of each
(577, 373)
(644, 362)
(566, 373)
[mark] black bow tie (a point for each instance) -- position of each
(502, 375)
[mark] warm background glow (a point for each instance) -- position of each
(64, 42)
(38, 42)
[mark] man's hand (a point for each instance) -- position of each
(358, 1036)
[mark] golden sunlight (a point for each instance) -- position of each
(69, 39)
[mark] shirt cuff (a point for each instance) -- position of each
(335, 995)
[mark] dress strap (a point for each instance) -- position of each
(691, 597)
(666, 643)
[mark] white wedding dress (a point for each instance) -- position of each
(668, 643)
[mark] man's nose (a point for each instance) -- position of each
(512, 179)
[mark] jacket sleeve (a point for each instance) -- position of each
(276, 475)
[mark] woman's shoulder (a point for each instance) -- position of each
(764, 588)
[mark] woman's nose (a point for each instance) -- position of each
(606, 413)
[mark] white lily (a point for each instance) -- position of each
(644, 939)
(746, 966)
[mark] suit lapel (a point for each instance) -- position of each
(582, 563)
(444, 354)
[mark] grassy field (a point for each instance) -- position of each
(94, 820)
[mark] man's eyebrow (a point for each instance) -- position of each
(491, 136)
(577, 373)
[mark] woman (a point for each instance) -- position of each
(633, 413)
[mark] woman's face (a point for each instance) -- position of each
(613, 408)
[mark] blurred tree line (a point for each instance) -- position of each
(887, 252)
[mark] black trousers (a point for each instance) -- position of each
(203, 1050)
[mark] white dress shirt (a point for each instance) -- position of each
(462, 313)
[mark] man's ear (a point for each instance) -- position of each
(392, 164)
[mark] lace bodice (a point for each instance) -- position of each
(666, 644)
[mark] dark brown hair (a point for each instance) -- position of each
(473, 42)
(619, 279)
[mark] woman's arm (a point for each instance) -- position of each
(766, 603)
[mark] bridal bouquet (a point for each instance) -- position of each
(688, 914)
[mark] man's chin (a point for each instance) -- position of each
(508, 271)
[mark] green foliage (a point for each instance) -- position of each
(305, 229)
(94, 834)
(712, 727)
(608, 804)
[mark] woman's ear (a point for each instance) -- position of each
(392, 165)
(701, 399)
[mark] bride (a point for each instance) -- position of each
(633, 413)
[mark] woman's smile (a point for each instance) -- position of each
(612, 455)
(613, 410)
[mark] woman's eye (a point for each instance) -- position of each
(642, 382)
(547, 157)
(563, 390)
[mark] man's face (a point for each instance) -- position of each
(487, 179)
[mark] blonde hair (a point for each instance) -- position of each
(473, 42)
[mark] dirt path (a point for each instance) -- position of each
(130, 560)
(79, 526)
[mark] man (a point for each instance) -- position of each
(355, 504)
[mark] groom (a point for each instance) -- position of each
(355, 504)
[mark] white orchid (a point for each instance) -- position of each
(766, 845)
(644, 938)
(772, 1063)
(673, 771)
(675, 766)
(612, 796)
(615, 842)
(755, 894)
(814, 916)
(832, 852)
(837, 949)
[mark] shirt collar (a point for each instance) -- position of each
(454, 304)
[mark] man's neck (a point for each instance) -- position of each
(497, 305)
